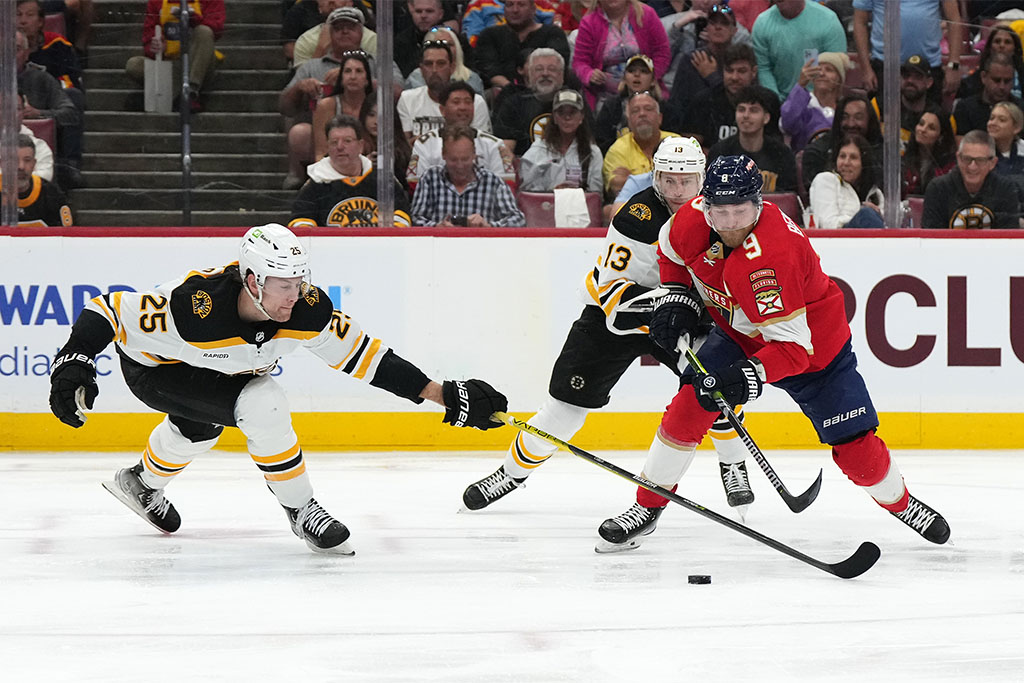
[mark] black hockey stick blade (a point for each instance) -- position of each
(794, 503)
(855, 565)
(858, 563)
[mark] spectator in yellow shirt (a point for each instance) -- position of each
(633, 151)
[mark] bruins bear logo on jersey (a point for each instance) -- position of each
(202, 304)
(357, 212)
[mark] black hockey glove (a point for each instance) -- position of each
(70, 372)
(470, 403)
(738, 383)
(675, 314)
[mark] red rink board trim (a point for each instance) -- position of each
(85, 232)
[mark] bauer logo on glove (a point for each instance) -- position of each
(470, 403)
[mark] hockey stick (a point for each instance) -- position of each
(795, 503)
(855, 565)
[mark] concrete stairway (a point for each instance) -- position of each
(132, 161)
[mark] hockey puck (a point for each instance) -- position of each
(698, 578)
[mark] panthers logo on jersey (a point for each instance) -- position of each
(972, 217)
(357, 212)
(202, 304)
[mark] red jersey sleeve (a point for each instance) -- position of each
(672, 241)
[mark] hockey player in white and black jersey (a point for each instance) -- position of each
(201, 348)
(608, 336)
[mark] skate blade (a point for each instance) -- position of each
(116, 492)
(605, 547)
(741, 511)
(342, 548)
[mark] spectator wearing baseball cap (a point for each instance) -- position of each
(915, 83)
(565, 155)
(316, 41)
(806, 114)
(698, 56)
(611, 114)
(345, 31)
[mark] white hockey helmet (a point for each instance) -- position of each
(272, 250)
(678, 155)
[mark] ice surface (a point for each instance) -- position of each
(514, 593)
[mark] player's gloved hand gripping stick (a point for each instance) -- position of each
(740, 383)
(862, 560)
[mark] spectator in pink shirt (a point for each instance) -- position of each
(609, 35)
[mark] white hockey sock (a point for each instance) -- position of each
(528, 452)
(667, 461)
(727, 442)
(891, 489)
(167, 453)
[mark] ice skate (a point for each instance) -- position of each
(150, 504)
(626, 531)
(321, 532)
(479, 495)
(924, 521)
(737, 487)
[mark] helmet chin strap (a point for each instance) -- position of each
(258, 302)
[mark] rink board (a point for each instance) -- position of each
(938, 327)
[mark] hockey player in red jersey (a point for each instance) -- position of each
(781, 320)
(201, 349)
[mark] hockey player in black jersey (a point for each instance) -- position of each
(200, 349)
(41, 204)
(608, 337)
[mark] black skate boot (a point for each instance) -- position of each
(150, 504)
(626, 531)
(924, 521)
(489, 489)
(321, 532)
(737, 484)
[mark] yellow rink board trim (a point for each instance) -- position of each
(424, 431)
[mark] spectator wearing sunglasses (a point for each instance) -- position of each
(611, 116)
(498, 47)
(306, 88)
(420, 108)
(633, 152)
(460, 73)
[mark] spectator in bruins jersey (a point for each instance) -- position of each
(456, 104)
(612, 332)
(753, 115)
(342, 187)
(201, 349)
(40, 203)
(461, 192)
(971, 195)
(566, 155)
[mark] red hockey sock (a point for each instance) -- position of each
(649, 499)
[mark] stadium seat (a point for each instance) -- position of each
(45, 130)
(916, 211)
(789, 203)
(539, 208)
(55, 23)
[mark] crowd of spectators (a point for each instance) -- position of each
(552, 94)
